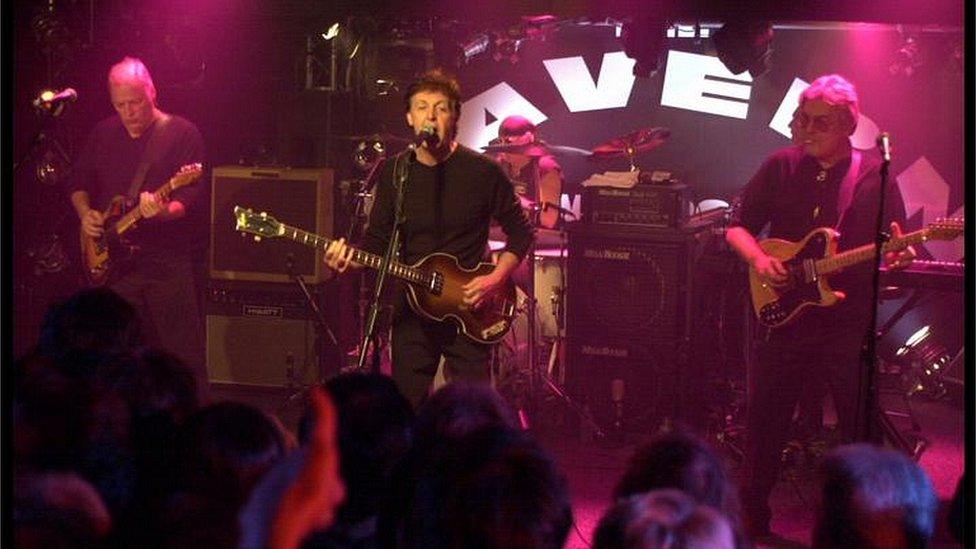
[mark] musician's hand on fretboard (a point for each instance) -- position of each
(899, 259)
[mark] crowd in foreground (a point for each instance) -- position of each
(117, 445)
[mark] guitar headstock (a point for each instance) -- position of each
(188, 174)
(258, 224)
(945, 228)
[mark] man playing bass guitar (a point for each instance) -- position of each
(128, 156)
(450, 196)
(821, 181)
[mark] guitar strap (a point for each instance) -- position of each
(150, 155)
(847, 187)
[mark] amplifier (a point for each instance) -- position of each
(646, 205)
(629, 295)
(261, 334)
(303, 198)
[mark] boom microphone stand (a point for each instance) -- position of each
(356, 225)
(321, 325)
(400, 171)
(869, 417)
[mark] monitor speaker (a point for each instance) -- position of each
(302, 198)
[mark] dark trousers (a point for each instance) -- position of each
(163, 290)
(418, 345)
(784, 370)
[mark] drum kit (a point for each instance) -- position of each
(525, 363)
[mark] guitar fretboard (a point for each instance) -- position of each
(373, 261)
(132, 216)
(863, 253)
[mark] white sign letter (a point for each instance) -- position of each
(687, 86)
(500, 101)
(580, 93)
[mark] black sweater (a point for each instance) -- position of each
(448, 208)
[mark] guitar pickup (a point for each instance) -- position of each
(493, 330)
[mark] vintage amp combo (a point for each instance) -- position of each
(647, 204)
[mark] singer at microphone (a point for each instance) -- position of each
(428, 135)
(444, 202)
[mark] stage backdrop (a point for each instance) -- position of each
(579, 88)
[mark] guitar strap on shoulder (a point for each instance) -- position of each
(150, 155)
(847, 187)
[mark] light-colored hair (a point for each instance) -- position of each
(834, 90)
(132, 70)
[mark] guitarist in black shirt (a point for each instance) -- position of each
(131, 155)
(798, 189)
(451, 195)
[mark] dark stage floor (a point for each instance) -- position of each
(593, 469)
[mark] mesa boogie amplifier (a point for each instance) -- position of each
(644, 205)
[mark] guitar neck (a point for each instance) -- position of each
(132, 216)
(864, 253)
(373, 261)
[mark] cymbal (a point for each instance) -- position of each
(384, 137)
(535, 149)
(629, 144)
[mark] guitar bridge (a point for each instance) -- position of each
(493, 330)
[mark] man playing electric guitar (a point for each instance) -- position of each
(450, 196)
(819, 182)
(131, 155)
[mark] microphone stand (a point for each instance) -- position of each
(401, 169)
(323, 327)
(869, 416)
(317, 313)
(358, 223)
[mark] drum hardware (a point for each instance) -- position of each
(535, 149)
(630, 145)
(527, 381)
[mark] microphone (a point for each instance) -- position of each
(48, 99)
(427, 135)
(884, 143)
(546, 205)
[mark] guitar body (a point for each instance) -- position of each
(811, 261)
(98, 254)
(778, 306)
(488, 324)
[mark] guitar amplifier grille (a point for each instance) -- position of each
(302, 198)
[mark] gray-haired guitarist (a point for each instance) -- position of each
(819, 182)
(136, 191)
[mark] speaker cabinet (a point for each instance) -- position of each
(628, 299)
(261, 334)
(300, 198)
